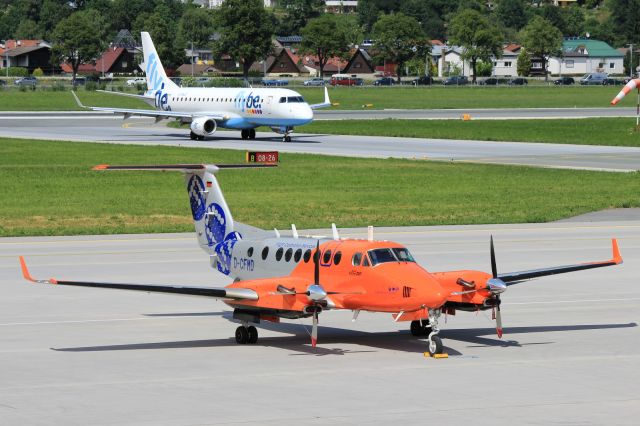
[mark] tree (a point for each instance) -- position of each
(325, 38)
(513, 13)
(542, 39)
(479, 38)
(162, 27)
(573, 22)
(524, 63)
(77, 39)
(297, 14)
(245, 30)
(27, 30)
(625, 18)
(196, 25)
(399, 38)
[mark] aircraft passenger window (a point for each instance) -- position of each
(250, 252)
(357, 258)
(297, 256)
(307, 256)
(283, 100)
(403, 255)
(279, 254)
(265, 253)
(287, 255)
(337, 257)
(381, 256)
(366, 261)
(326, 257)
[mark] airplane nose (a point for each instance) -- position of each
(437, 296)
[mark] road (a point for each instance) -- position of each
(112, 129)
(78, 356)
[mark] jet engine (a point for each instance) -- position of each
(204, 126)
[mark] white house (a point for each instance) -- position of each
(584, 56)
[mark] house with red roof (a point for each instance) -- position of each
(113, 60)
(29, 54)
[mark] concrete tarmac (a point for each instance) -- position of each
(78, 356)
(112, 129)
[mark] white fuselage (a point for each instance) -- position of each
(240, 108)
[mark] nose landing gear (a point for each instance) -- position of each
(435, 343)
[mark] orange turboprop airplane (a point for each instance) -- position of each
(297, 277)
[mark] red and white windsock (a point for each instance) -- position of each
(632, 84)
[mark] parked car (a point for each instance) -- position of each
(425, 80)
(457, 80)
(136, 81)
(26, 81)
(518, 81)
(613, 82)
(597, 78)
(274, 82)
(345, 80)
(492, 81)
(316, 81)
(564, 81)
(384, 81)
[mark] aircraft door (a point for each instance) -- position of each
(268, 105)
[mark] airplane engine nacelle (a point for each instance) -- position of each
(203, 126)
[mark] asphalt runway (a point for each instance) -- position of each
(113, 129)
(78, 356)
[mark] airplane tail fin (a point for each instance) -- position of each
(214, 224)
(156, 76)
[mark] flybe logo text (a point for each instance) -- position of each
(154, 76)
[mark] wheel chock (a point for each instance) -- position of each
(437, 356)
(466, 117)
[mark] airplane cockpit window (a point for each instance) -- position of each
(294, 99)
(403, 255)
(365, 262)
(357, 258)
(381, 256)
(283, 100)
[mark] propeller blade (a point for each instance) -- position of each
(459, 293)
(316, 261)
(494, 269)
(314, 329)
(498, 320)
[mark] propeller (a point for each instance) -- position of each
(494, 285)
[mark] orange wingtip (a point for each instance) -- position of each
(25, 271)
(616, 251)
(101, 167)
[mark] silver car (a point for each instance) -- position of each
(316, 81)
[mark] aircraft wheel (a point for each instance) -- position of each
(253, 334)
(252, 133)
(416, 328)
(242, 335)
(435, 345)
(426, 327)
(193, 136)
(244, 134)
(201, 138)
(287, 138)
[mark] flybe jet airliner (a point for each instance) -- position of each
(207, 109)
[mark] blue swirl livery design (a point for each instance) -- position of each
(216, 224)
(224, 251)
(195, 187)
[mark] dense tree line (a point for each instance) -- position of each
(244, 29)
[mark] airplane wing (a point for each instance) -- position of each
(325, 104)
(213, 292)
(518, 277)
(129, 95)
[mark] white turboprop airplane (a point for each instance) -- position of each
(209, 108)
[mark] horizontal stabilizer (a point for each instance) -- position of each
(185, 168)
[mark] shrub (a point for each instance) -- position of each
(37, 72)
(18, 72)
(90, 86)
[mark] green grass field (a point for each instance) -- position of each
(49, 189)
(356, 97)
(597, 131)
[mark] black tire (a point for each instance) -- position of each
(244, 134)
(193, 136)
(416, 328)
(253, 334)
(435, 345)
(252, 133)
(426, 327)
(287, 138)
(242, 335)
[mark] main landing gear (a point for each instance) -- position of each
(287, 135)
(194, 137)
(429, 327)
(246, 334)
(248, 133)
